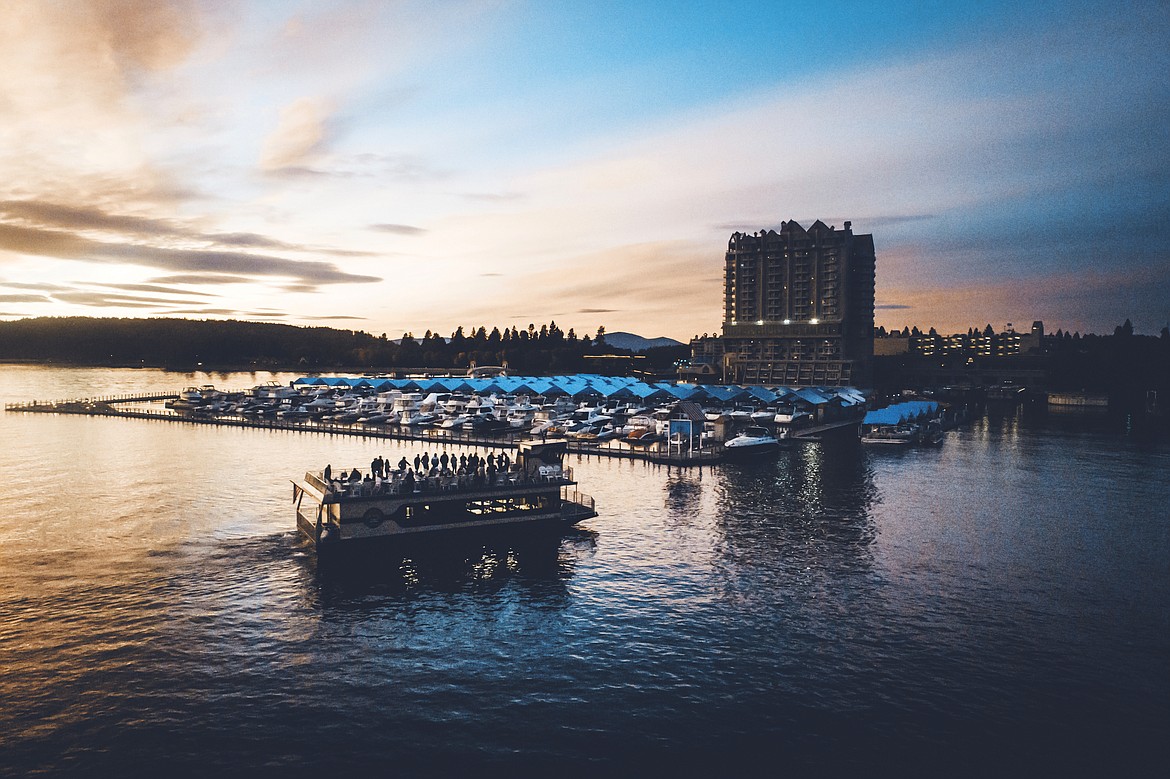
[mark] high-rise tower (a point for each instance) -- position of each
(798, 306)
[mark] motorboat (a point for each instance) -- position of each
(892, 435)
(751, 441)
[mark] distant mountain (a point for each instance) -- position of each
(637, 343)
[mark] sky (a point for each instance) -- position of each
(407, 166)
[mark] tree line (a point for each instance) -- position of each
(232, 343)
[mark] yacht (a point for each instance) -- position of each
(752, 441)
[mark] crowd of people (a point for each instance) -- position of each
(425, 473)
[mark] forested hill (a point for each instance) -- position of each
(235, 344)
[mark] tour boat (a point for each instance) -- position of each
(535, 494)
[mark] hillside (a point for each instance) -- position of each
(637, 343)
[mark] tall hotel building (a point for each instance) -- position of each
(798, 307)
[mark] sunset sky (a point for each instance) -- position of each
(395, 166)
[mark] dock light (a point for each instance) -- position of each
(814, 321)
(759, 321)
(787, 321)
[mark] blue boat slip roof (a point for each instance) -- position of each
(723, 394)
(590, 385)
(815, 397)
(898, 413)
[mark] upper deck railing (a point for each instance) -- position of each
(406, 483)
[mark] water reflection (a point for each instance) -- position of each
(538, 567)
(684, 491)
(809, 506)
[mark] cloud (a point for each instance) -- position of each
(232, 312)
(104, 300)
(41, 286)
(406, 168)
(64, 245)
(24, 299)
(201, 278)
(157, 288)
(228, 262)
(597, 310)
(890, 306)
(300, 137)
(398, 229)
(37, 213)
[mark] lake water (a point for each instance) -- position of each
(1000, 605)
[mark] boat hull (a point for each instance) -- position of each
(751, 451)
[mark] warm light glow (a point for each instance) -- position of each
(814, 321)
(759, 321)
(288, 168)
(787, 321)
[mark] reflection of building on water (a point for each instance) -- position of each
(806, 503)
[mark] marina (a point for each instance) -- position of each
(614, 417)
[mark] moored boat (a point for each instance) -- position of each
(752, 441)
(892, 435)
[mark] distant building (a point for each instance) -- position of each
(799, 307)
(706, 363)
(971, 345)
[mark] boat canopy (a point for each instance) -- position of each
(588, 385)
(907, 411)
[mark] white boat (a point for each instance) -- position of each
(750, 442)
(418, 419)
(535, 495)
(451, 423)
(891, 435)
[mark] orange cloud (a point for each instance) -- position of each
(299, 137)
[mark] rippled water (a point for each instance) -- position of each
(999, 605)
